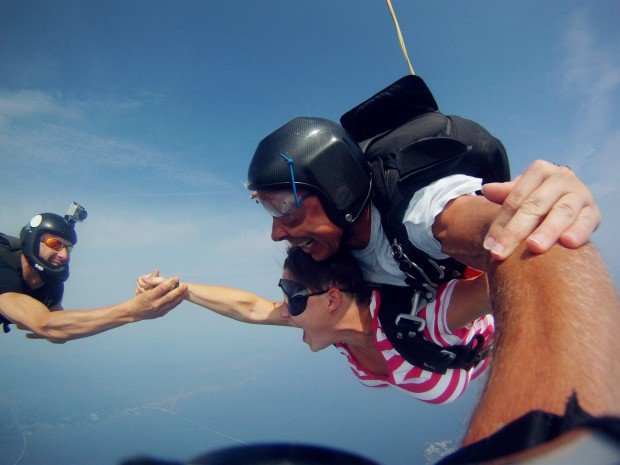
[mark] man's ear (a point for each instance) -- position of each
(335, 299)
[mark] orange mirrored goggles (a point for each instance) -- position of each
(55, 244)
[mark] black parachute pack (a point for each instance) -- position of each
(408, 144)
(10, 248)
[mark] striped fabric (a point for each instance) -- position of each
(422, 384)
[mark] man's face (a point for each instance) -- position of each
(306, 226)
(54, 249)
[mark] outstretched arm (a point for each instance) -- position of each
(229, 302)
(61, 326)
(237, 304)
(557, 321)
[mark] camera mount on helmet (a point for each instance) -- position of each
(50, 223)
(76, 213)
(319, 155)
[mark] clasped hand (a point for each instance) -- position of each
(156, 296)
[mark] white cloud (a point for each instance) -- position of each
(592, 82)
(32, 103)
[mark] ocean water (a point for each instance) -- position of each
(173, 395)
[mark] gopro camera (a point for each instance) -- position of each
(76, 213)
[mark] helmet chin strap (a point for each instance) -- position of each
(52, 275)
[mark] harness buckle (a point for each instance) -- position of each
(412, 323)
(443, 365)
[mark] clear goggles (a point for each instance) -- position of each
(280, 203)
(284, 202)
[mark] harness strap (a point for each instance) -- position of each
(10, 250)
(405, 330)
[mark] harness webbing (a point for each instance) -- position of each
(10, 248)
(405, 331)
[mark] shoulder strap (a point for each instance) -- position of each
(10, 247)
(405, 331)
(409, 144)
(10, 242)
(395, 181)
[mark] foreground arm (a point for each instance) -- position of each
(232, 303)
(61, 326)
(557, 321)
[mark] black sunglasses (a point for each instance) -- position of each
(296, 295)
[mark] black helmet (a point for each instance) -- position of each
(324, 159)
(57, 225)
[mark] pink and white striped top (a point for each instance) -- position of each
(422, 384)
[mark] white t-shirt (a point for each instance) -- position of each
(376, 261)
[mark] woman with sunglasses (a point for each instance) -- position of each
(332, 304)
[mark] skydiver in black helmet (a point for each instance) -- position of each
(33, 269)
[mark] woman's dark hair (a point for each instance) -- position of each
(340, 270)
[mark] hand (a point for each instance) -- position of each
(148, 281)
(544, 205)
(159, 300)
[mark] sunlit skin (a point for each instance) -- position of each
(312, 230)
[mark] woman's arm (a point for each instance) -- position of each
(229, 302)
(237, 304)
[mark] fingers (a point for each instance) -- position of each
(580, 231)
(148, 281)
(164, 287)
(545, 205)
(165, 296)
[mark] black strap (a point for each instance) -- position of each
(415, 167)
(10, 250)
(537, 428)
(405, 333)
(422, 271)
(409, 144)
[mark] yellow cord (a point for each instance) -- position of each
(400, 36)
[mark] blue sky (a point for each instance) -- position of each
(148, 112)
